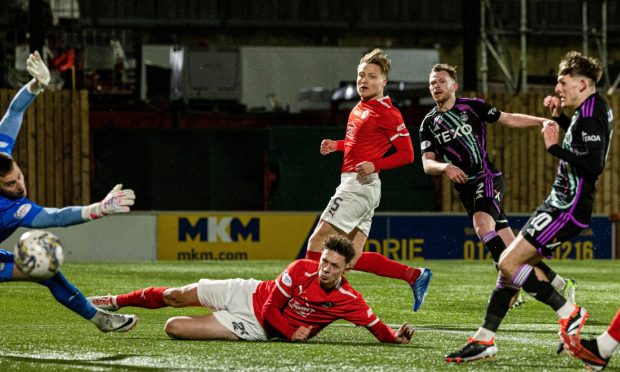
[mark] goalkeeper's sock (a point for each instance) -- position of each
(65, 293)
(378, 264)
(149, 298)
(314, 256)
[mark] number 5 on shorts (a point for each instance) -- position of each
(335, 206)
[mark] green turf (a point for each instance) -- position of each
(40, 334)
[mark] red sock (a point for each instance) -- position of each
(314, 256)
(378, 264)
(614, 328)
(149, 298)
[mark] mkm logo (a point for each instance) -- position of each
(224, 229)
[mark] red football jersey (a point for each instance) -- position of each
(297, 299)
(372, 127)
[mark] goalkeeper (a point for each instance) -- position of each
(16, 210)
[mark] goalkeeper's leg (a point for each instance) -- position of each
(68, 295)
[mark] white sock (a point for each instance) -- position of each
(484, 334)
(565, 311)
(606, 345)
(558, 283)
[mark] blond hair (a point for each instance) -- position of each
(379, 58)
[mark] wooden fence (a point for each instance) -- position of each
(53, 147)
(528, 169)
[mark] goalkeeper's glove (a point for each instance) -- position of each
(117, 201)
(36, 67)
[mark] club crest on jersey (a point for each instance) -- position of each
(590, 137)
(365, 114)
(438, 120)
(286, 279)
(22, 211)
(464, 117)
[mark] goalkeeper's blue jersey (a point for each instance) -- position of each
(15, 213)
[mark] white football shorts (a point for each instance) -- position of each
(354, 202)
(231, 301)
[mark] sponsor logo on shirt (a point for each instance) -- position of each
(590, 137)
(350, 130)
(3, 144)
(425, 144)
(22, 211)
(286, 279)
(300, 309)
(449, 135)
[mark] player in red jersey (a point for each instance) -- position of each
(374, 126)
(304, 299)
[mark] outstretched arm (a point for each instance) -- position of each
(117, 201)
(12, 120)
(519, 120)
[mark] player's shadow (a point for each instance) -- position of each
(105, 361)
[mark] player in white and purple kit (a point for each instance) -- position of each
(16, 210)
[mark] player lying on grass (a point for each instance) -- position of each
(304, 299)
(17, 210)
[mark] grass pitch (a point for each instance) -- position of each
(40, 334)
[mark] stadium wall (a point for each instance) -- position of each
(226, 236)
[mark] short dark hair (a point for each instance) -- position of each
(341, 245)
(6, 164)
(379, 58)
(575, 63)
(451, 70)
